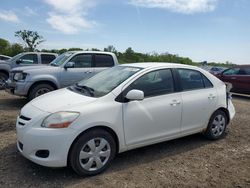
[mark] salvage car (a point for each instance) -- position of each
(4, 57)
(239, 77)
(122, 108)
(21, 60)
(67, 69)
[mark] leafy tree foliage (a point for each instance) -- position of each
(129, 56)
(31, 38)
(10, 49)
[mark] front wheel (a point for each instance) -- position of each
(39, 90)
(92, 153)
(217, 125)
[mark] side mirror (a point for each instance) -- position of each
(69, 65)
(19, 61)
(135, 95)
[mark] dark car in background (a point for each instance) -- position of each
(239, 77)
(216, 70)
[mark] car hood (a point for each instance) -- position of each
(60, 100)
(34, 67)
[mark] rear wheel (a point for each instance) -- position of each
(3, 78)
(217, 125)
(92, 153)
(39, 90)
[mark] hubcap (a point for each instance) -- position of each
(42, 91)
(218, 125)
(94, 154)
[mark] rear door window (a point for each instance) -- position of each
(47, 58)
(103, 60)
(192, 80)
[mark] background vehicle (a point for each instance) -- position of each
(216, 70)
(4, 58)
(121, 108)
(23, 59)
(67, 69)
(239, 77)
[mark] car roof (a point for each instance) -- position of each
(94, 52)
(39, 53)
(159, 64)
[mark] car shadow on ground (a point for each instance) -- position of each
(11, 160)
(12, 103)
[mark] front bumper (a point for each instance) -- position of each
(17, 88)
(31, 140)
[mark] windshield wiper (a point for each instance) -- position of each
(85, 88)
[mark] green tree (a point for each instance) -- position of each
(75, 49)
(31, 38)
(4, 46)
(15, 49)
(110, 48)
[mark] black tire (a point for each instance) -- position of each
(81, 142)
(3, 77)
(213, 133)
(37, 88)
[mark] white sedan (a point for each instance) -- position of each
(122, 108)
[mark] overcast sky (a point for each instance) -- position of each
(204, 30)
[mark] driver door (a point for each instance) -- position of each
(83, 69)
(158, 116)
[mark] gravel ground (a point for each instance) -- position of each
(187, 162)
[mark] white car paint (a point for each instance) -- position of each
(136, 123)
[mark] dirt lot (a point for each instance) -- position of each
(188, 162)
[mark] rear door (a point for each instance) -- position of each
(199, 99)
(243, 80)
(83, 69)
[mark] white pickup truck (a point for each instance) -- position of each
(67, 69)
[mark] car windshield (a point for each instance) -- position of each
(16, 57)
(105, 81)
(61, 59)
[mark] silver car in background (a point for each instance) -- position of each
(67, 69)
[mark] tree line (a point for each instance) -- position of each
(31, 39)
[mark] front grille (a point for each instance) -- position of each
(22, 120)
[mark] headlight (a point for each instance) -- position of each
(60, 119)
(19, 76)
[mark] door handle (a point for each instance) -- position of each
(88, 72)
(175, 102)
(211, 96)
(233, 78)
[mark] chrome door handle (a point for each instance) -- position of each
(88, 72)
(211, 96)
(175, 102)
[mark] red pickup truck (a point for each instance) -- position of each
(239, 77)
